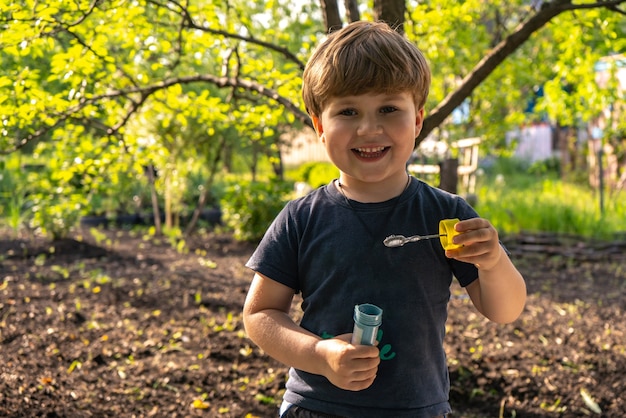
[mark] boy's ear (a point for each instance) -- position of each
(317, 124)
(419, 122)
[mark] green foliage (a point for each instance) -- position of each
(563, 56)
(56, 215)
(316, 174)
(206, 89)
(40, 196)
(99, 106)
(13, 191)
(545, 167)
(248, 208)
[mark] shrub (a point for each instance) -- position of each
(316, 174)
(248, 208)
(54, 215)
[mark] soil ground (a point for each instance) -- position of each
(116, 323)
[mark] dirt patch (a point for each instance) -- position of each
(117, 323)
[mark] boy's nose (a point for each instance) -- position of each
(369, 126)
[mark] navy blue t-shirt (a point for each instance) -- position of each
(332, 251)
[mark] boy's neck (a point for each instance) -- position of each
(372, 192)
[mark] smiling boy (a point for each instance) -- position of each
(365, 88)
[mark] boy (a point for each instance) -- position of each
(365, 88)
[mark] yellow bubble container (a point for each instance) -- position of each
(447, 232)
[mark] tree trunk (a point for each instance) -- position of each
(564, 151)
(392, 12)
(612, 167)
(593, 145)
(330, 11)
(279, 168)
(167, 207)
(155, 200)
(448, 175)
(352, 10)
(207, 186)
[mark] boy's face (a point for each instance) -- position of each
(370, 137)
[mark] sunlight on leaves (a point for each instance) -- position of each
(205, 262)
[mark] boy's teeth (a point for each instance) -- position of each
(377, 149)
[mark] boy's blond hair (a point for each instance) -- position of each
(364, 57)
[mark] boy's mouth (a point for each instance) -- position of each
(370, 152)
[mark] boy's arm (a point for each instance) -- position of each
(268, 324)
(500, 291)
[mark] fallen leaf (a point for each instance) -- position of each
(200, 404)
(591, 404)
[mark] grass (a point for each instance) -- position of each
(522, 201)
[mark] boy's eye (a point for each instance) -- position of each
(348, 112)
(388, 109)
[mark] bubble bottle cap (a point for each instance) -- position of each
(447, 232)
(367, 319)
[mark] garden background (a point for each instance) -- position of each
(145, 147)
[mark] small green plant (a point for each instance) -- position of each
(265, 399)
(553, 407)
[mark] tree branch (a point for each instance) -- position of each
(229, 82)
(499, 53)
(190, 23)
(145, 92)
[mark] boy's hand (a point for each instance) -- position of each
(349, 367)
(481, 245)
